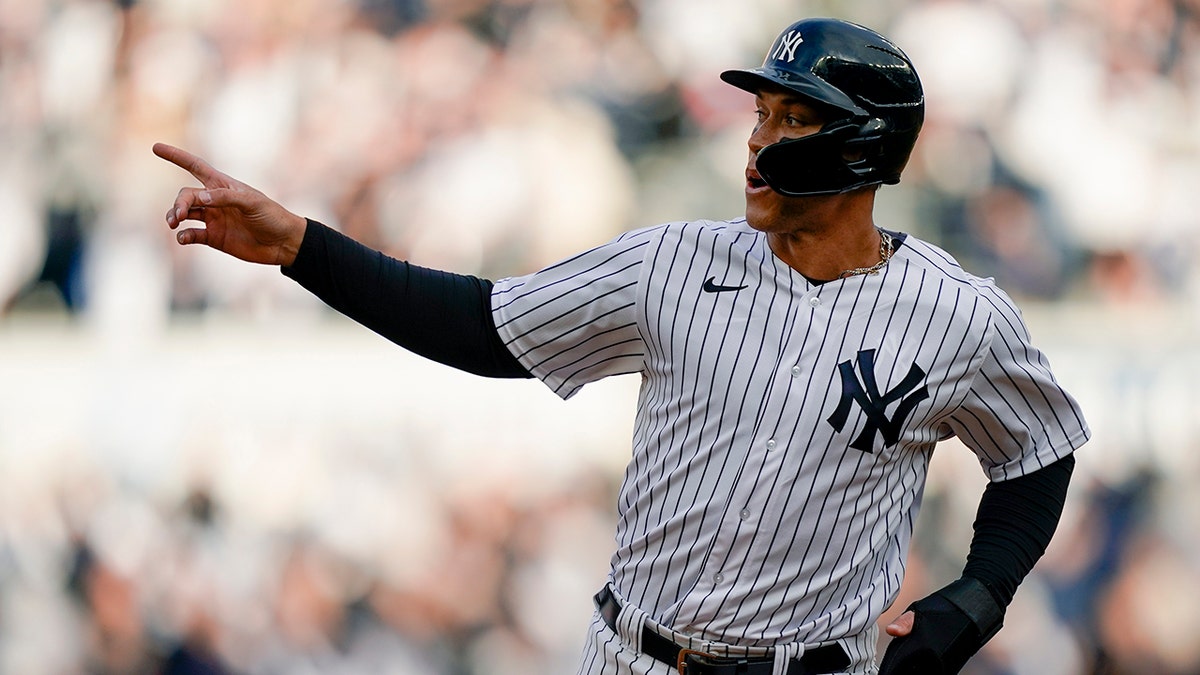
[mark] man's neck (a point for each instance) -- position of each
(822, 248)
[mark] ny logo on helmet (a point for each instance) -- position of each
(866, 394)
(787, 46)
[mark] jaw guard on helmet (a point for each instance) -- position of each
(868, 84)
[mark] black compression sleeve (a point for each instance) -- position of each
(441, 316)
(1013, 527)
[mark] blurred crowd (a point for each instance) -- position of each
(1060, 155)
(493, 136)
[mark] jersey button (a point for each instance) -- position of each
(814, 301)
(795, 371)
(771, 444)
(745, 514)
(718, 578)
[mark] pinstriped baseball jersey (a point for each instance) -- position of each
(783, 429)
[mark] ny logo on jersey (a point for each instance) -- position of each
(787, 46)
(866, 394)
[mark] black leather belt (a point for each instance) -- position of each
(818, 661)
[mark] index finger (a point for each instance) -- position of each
(193, 164)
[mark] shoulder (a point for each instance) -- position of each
(633, 247)
(940, 265)
(693, 234)
(692, 229)
(713, 234)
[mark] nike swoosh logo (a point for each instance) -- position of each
(711, 287)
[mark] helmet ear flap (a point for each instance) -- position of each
(813, 164)
(863, 151)
(844, 155)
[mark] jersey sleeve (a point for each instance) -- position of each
(1016, 417)
(576, 322)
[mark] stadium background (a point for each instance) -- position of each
(199, 464)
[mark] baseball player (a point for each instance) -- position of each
(798, 366)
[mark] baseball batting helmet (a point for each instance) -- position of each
(866, 81)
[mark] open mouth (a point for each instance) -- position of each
(754, 182)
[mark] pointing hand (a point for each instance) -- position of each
(238, 219)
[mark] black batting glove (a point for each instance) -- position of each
(949, 626)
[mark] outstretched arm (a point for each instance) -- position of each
(441, 316)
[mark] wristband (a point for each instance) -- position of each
(974, 599)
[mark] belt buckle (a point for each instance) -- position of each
(681, 661)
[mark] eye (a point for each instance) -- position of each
(797, 121)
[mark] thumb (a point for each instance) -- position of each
(901, 625)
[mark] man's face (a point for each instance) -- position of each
(782, 114)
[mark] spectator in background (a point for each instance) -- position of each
(1045, 133)
(285, 70)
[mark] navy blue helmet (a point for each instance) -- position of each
(870, 88)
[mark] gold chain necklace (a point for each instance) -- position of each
(885, 254)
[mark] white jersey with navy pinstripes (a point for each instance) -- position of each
(783, 429)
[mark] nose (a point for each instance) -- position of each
(758, 139)
(765, 133)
